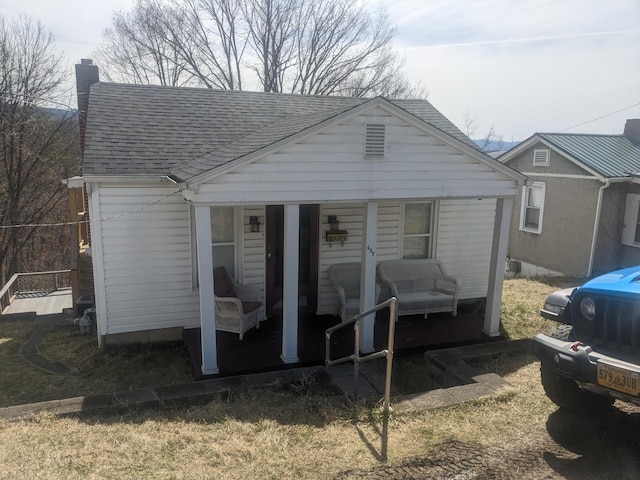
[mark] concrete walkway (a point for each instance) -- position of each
(29, 351)
(451, 378)
(461, 383)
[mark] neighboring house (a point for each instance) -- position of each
(579, 212)
(180, 180)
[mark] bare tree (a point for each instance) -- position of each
(388, 83)
(38, 146)
(339, 44)
(139, 46)
(300, 46)
(470, 123)
(272, 28)
(492, 141)
(217, 44)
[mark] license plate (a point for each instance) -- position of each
(618, 379)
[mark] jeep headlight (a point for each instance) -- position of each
(588, 308)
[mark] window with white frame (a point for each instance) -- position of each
(417, 240)
(223, 238)
(631, 229)
(541, 157)
(532, 207)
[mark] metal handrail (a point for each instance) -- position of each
(356, 358)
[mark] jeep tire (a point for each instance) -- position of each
(564, 391)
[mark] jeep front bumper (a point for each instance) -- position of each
(580, 363)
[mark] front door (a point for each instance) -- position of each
(308, 258)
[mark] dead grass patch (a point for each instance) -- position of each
(522, 299)
(259, 434)
(97, 370)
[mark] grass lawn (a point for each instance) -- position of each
(98, 370)
(112, 369)
(267, 433)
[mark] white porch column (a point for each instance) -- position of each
(290, 284)
(205, 280)
(368, 275)
(501, 226)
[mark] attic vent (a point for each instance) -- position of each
(541, 158)
(374, 141)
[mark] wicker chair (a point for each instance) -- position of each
(237, 306)
(345, 278)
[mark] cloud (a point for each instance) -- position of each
(521, 91)
(521, 40)
(469, 21)
(76, 24)
(526, 66)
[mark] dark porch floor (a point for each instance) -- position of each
(260, 349)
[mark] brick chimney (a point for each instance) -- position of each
(632, 130)
(86, 75)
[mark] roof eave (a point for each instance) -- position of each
(131, 178)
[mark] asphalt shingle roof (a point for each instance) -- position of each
(612, 156)
(143, 129)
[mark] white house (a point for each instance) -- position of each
(178, 180)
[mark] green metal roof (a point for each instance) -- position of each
(612, 156)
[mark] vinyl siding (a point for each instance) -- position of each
(464, 236)
(253, 251)
(147, 267)
(330, 166)
(464, 242)
(146, 248)
(351, 219)
(350, 216)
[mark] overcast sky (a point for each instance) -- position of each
(522, 66)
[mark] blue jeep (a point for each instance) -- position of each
(594, 357)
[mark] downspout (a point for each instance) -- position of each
(596, 226)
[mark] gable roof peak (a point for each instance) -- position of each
(607, 155)
(186, 131)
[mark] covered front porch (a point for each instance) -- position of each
(477, 260)
(260, 350)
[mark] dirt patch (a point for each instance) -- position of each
(571, 446)
(460, 460)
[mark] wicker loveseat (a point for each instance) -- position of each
(421, 286)
(237, 306)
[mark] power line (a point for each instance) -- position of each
(599, 118)
(62, 224)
